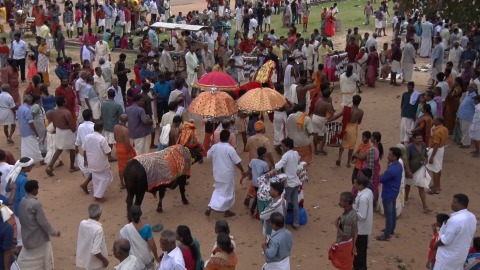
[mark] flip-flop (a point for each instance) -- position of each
(157, 227)
(432, 192)
(229, 214)
(74, 170)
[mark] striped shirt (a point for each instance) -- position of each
(36, 229)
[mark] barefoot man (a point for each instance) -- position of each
(322, 111)
(65, 129)
(352, 117)
(96, 154)
(125, 150)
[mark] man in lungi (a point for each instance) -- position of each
(438, 140)
(415, 169)
(437, 61)
(299, 129)
(322, 111)
(342, 252)
(224, 160)
(125, 150)
(408, 109)
(192, 64)
(96, 154)
(37, 250)
(352, 117)
(65, 127)
(29, 135)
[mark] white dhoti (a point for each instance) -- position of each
(319, 124)
(221, 10)
(140, 145)
(191, 80)
(406, 127)
(49, 42)
(437, 164)
(50, 143)
(238, 24)
(240, 75)
(435, 69)
(465, 127)
(407, 72)
(101, 180)
(19, 230)
(281, 265)
(396, 67)
(6, 117)
(418, 39)
(29, 148)
(420, 178)
(101, 22)
(65, 139)
(94, 106)
(426, 47)
(378, 23)
(223, 197)
(80, 163)
(36, 258)
(279, 120)
(128, 27)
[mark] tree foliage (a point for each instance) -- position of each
(463, 12)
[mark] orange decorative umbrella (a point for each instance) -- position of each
(214, 104)
(220, 80)
(261, 100)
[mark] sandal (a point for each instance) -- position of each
(382, 238)
(229, 213)
(432, 192)
(427, 210)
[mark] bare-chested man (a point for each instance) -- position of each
(173, 133)
(125, 150)
(352, 117)
(322, 111)
(301, 91)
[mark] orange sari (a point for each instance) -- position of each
(221, 261)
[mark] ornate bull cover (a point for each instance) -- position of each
(164, 166)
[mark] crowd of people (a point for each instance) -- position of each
(100, 105)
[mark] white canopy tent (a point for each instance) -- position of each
(178, 26)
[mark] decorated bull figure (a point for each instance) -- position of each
(157, 171)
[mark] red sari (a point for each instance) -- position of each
(330, 26)
(372, 68)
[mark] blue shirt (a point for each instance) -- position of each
(61, 72)
(152, 35)
(467, 108)
(6, 240)
(468, 55)
(145, 74)
(108, 11)
(259, 167)
(251, 126)
(19, 191)
(136, 118)
(391, 181)
(162, 89)
(279, 246)
(25, 117)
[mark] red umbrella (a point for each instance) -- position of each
(221, 80)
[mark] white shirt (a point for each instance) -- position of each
(83, 130)
(20, 49)
(90, 241)
(96, 148)
(153, 7)
(364, 208)
(130, 263)
(210, 40)
(253, 24)
(445, 88)
(172, 261)
(80, 87)
(238, 13)
(224, 157)
(454, 55)
(4, 170)
(371, 42)
(456, 237)
(289, 163)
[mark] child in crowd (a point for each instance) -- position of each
(132, 92)
(256, 168)
(32, 67)
(441, 220)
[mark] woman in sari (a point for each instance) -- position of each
(452, 102)
(10, 76)
(424, 123)
(330, 25)
(4, 52)
(372, 67)
(372, 161)
(190, 248)
(43, 61)
(60, 42)
(225, 258)
(142, 243)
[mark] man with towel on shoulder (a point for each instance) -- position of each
(408, 108)
(299, 129)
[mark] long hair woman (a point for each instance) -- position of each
(190, 248)
(372, 161)
(225, 258)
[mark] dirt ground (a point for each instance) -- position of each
(66, 204)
